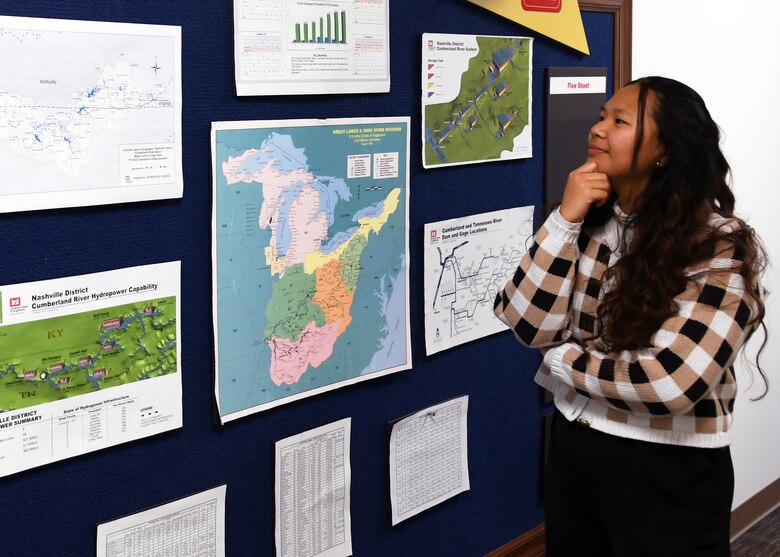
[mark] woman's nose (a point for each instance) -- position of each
(597, 130)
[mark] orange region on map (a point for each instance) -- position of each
(333, 296)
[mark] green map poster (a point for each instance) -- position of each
(67, 356)
(310, 257)
(476, 98)
(88, 362)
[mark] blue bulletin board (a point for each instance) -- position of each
(54, 509)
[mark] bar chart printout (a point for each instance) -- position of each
(304, 47)
(328, 29)
(192, 526)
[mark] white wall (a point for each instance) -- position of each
(727, 51)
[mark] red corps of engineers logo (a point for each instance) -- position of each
(15, 302)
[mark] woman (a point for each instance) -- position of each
(640, 289)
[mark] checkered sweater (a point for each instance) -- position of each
(679, 390)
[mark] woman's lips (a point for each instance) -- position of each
(595, 151)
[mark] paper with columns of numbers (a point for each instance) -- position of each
(88, 362)
(467, 261)
(193, 526)
(429, 460)
(313, 479)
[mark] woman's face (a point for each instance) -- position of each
(612, 139)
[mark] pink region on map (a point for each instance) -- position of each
(308, 231)
(289, 360)
(232, 168)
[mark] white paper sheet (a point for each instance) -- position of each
(193, 526)
(313, 480)
(428, 458)
(467, 261)
(301, 47)
(88, 362)
(90, 113)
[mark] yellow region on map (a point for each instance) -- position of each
(315, 260)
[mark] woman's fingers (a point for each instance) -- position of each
(586, 186)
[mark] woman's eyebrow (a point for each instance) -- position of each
(622, 111)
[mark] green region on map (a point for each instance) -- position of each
(66, 356)
(491, 109)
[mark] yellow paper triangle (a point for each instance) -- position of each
(564, 26)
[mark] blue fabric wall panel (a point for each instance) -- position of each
(53, 510)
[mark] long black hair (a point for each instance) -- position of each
(670, 224)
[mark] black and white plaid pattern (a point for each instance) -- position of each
(678, 390)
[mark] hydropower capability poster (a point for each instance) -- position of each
(311, 284)
(88, 362)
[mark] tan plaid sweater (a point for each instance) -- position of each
(679, 390)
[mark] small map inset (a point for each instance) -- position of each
(476, 99)
(90, 113)
(467, 261)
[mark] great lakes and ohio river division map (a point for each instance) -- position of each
(310, 257)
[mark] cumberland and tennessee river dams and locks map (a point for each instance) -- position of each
(310, 257)
(476, 98)
(467, 261)
(90, 113)
(88, 362)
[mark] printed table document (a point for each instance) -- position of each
(312, 493)
(88, 362)
(428, 458)
(193, 527)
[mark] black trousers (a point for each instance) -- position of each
(606, 496)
